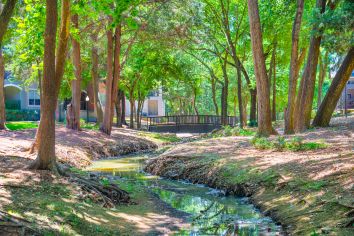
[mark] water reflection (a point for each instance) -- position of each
(211, 213)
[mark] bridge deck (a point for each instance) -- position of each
(188, 123)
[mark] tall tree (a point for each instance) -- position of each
(73, 109)
(294, 68)
(303, 106)
(325, 111)
(95, 77)
(113, 76)
(262, 82)
(6, 13)
(53, 68)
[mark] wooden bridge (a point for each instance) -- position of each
(188, 123)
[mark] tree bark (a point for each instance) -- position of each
(264, 112)
(5, 16)
(118, 106)
(274, 100)
(53, 72)
(253, 107)
(124, 122)
(73, 119)
(324, 113)
(132, 105)
(239, 97)
(194, 102)
(106, 125)
(113, 76)
(95, 78)
(323, 66)
(213, 90)
(294, 69)
(2, 92)
(224, 94)
(305, 96)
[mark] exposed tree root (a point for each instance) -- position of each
(107, 193)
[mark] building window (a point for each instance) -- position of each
(349, 96)
(33, 98)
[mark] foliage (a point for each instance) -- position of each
(280, 143)
(22, 115)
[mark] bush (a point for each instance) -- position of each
(261, 143)
(280, 143)
(294, 144)
(22, 115)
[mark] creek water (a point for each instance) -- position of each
(208, 210)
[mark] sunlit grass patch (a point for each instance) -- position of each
(166, 138)
(21, 125)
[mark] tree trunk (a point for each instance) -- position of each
(131, 122)
(113, 75)
(95, 79)
(294, 69)
(106, 125)
(224, 94)
(322, 74)
(213, 90)
(264, 112)
(73, 119)
(53, 72)
(253, 107)
(239, 97)
(324, 113)
(304, 99)
(118, 110)
(2, 92)
(274, 106)
(194, 102)
(5, 16)
(124, 122)
(61, 55)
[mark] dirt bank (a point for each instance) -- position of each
(77, 149)
(309, 192)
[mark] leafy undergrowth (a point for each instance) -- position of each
(21, 125)
(280, 144)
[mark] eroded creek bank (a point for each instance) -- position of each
(200, 209)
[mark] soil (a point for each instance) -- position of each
(308, 192)
(75, 148)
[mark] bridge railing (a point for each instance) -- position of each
(190, 119)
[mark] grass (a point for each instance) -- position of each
(21, 125)
(165, 138)
(295, 144)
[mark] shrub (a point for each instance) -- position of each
(22, 115)
(294, 144)
(261, 143)
(279, 143)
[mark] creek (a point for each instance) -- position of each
(208, 210)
